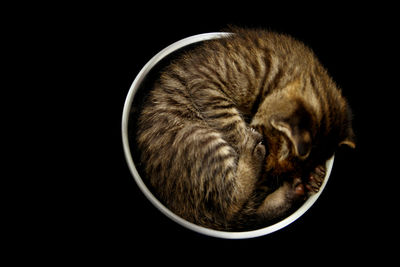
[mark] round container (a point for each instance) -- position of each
(128, 154)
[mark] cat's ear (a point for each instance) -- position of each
(348, 137)
(300, 137)
(349, 140)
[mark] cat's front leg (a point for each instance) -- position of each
(291, 194)
(278, 203)
(249, 168)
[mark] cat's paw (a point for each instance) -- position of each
(298, 188)
(315, 179)
(295, 192)
(255, 144)
(253, 148)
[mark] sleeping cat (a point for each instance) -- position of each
(235, 133)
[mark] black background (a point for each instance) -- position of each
(92, 55)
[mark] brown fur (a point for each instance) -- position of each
(195, 132)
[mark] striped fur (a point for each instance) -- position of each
(195, 132)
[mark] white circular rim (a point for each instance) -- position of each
(125, 140)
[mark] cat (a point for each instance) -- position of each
(235, 132)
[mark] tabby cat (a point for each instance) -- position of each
(235, 132)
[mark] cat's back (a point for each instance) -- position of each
(243, 67)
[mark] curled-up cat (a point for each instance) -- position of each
(235, 132)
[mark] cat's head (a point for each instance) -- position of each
(300, 131)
